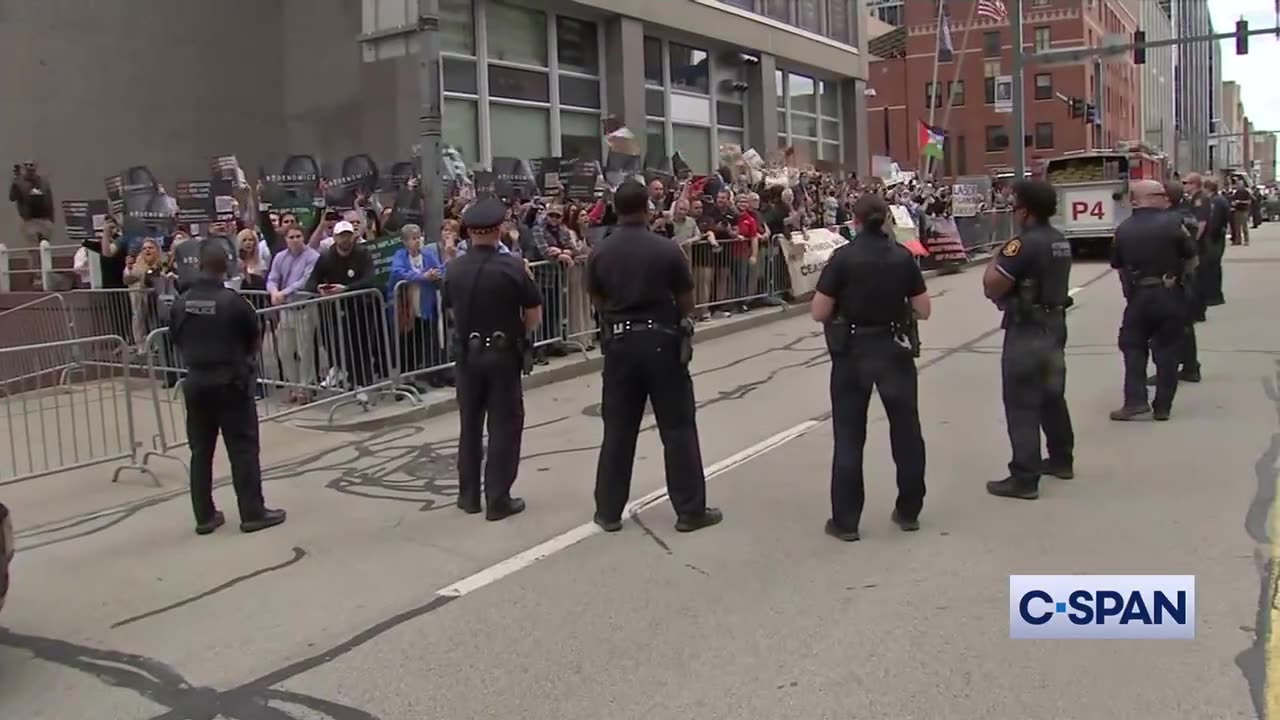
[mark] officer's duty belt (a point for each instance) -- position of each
(1150, 282)
(625, 326)
(496, 340)
(857, 329)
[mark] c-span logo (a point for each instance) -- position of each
(1102, 607)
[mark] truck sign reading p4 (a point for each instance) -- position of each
(1081, 208)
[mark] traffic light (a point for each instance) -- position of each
(1077, 108)
(1091, 114)
(1242, 37)
(1139, 52)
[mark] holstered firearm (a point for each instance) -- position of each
(1020, 305)
(838, 334)
(686, 340)
(909, 328)
(524, 346)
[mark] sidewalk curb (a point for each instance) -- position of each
(593, 362)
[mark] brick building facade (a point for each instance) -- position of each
(979, 138)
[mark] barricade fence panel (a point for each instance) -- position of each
(58, 415)
(729, 274)
(43, 319)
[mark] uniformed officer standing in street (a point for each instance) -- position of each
(495, 305)
(642, 288)
(1030, 279)
(217, 334)
(1152, 251)
(1194, 216)
(863, 299)
(1215, 242)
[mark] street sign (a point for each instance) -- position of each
(1004, 93)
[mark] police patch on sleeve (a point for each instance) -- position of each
(1011, 248)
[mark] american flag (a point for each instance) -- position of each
(993, 9)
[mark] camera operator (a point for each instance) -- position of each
(31, 193)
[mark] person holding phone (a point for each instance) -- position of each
(347, 267)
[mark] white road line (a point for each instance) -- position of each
(1072, 292)
(522, 560)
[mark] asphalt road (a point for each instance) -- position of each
(379, 600)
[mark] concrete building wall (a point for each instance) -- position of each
(94, 86)
(1157, 76)
(1264, 150)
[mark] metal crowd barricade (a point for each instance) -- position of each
(334, 351)
(59, 415)
(725, 276)
(44, 319)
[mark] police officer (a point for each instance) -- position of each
(217, 334)
(1029, 278)
(1215, 243)
(864, 297)
(495, 304)
(642, 288)
(1152, 251)
(1193, 214)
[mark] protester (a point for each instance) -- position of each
(349, 328)
(416, 274)
(30, 192)
(296, 330)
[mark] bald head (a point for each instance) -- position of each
(1148, 194)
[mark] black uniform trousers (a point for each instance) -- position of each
(1189, 357)
(1155, 319)
(874, 361)
(1210, 271)
(1033, 378)
(642, 365)
(489, 395)
(228, 409)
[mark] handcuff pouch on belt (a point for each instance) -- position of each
(497, 341)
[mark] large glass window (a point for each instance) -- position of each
(520, 132)
(1044, 136)
(655, 148)
(802, 91)
(777, 9)
(457, 27)
(806, 150)
(838, 20)
(809, 15)
(694, 145)
(508, 82)
(830, 98)
(577, 45)
(579, 92)
(460, 76)
(997, 138)
(1044, 86)
(460, 129)
(580, 136)
(689, 69)
(516, 35)
(730, 137)
(991, 43)
(652, 61)
(780, 87)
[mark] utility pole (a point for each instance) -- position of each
(1098, 135)
(1019, 109)
(429, 120)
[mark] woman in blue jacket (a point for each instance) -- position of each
(416, 275)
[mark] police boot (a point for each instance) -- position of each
(705, 519)
(268, 518)
(904, 523)
(1127, 413)
(1189, 375)
(840, 533)
(213, 523)
(503, 509)
(1015, 488)
(1060, 470)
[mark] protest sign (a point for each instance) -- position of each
(806, 254)
(512, 178)
(225, 176)
(195, 201)
(115, 195)
(295, 189)
(84, 220)
(484, 182)
(581, 186)
(942, 240)
(546, 174)
(383, 250)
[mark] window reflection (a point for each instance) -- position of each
(689, 69)
(576, 46)
(802, 90)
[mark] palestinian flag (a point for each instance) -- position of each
(930, 140)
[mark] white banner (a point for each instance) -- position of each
(1004, 94)
(965, 200)
(806, 256)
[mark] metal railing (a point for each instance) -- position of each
(44, 267)
(59, 414)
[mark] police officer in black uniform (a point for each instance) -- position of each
(1030, 280)
(218, 336)
(864, 298)
(1215, 242)
(1194, 216)
(1152, 251)
(495, 305)
(642, 288)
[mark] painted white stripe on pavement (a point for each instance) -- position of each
(522, 560)
(1072, 292)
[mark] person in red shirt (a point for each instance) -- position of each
(745, 253)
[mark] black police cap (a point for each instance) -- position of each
(485, 213)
